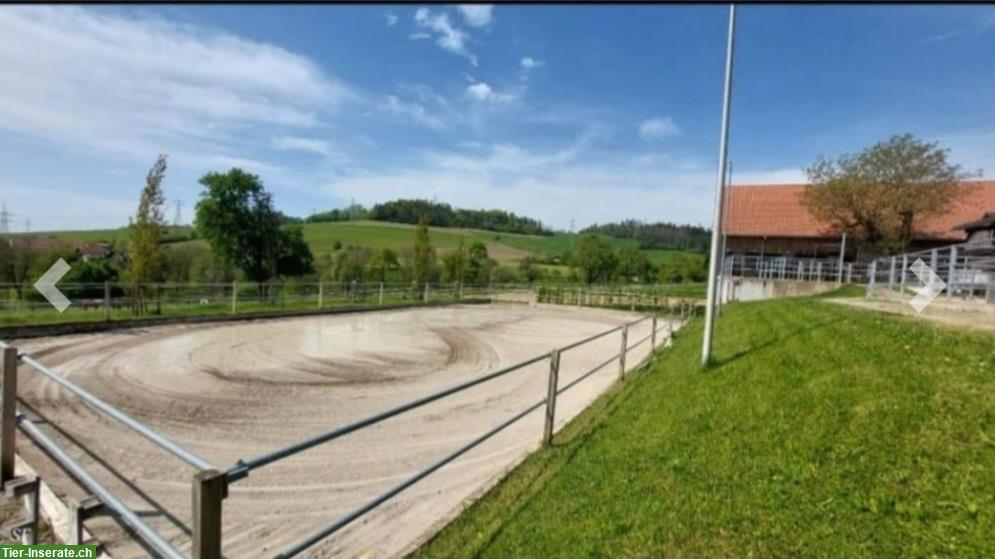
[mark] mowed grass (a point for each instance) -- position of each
(821, 431)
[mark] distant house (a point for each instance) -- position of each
(980, 231)
(771, 220)
(93, 251)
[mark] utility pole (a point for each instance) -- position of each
(839, 273)
(4, 220)
(722, 266)
(713, 258)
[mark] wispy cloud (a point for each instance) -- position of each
(976, 27)
(412, 110)
(482, 92)
(660, 127)
(447, 36)
(311, 145)
(477, 15)
(390, 18)
(148, 85)
(528, 63)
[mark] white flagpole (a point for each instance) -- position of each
(713, 259)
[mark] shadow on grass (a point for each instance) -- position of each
(722, 361)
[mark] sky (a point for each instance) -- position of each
(569, 114)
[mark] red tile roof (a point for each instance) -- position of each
(775, 210)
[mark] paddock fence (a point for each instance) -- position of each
(967, 269)
(209, 484)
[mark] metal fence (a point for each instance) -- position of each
(210, 486)
(794, 268)
(968, 269)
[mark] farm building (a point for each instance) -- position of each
(771, 220)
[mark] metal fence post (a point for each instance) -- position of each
(425, 296)
(905, 269)
(554, 375)
(321, 293)
(933, 257)
(380, 300)
(210, 487)
(107, 300)
(234, 296)
(849, 272)
(872, 273)
(8, 425)
(653, 334)
(624, 350)
(891, 276)
(950, 271)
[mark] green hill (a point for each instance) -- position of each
(504, 247)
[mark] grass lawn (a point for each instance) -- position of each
(821, 431)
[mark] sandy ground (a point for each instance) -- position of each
(974, 314)
(231, 391)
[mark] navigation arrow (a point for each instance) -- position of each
(46, 285)
(933, 285)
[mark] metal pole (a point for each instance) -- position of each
(554, 375)
(905, 270)
(653, 334)
(234, 296)
(8, 415)
(891, 276)
(872, 277)
(210, 487)
(321, 293)
(381, 295)
(839, 273)
(425, 296)
(950, 271)
(713, 257)
(107, 301)
(623, 351)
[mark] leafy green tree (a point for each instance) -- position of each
(595, 259)
(479, 265)
(383, 263)
(529, 269)
(146, 231)
(350, 264)
(881, 194)
(454, 264)
(424, 255)
(236, 216)
(633, 265)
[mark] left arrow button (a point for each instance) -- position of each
(46, 285)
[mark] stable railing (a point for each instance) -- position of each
(210, 486)
(793, 268)
(967, 269)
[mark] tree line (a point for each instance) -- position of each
(660, 235)
(438, 215)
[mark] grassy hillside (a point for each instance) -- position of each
(821, 432)
(376, 234)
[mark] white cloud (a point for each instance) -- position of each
(448, 37)
(484, 93)
(658, 128)
(312, 145)
(528, 63)
(136, 86)
(574, 182)
(415, 111)
(477, 15)
(390, 18)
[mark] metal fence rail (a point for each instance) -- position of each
(210, 487)
(967, 269)
(794, 268)
(241, 469)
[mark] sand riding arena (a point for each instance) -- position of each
(233, 393)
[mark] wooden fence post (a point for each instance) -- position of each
(8, 425)
(554, 375)
(653, 335)
(210, 487)
(624, 350)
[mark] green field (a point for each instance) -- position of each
(821, 431)
(504, 247)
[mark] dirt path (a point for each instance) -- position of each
(231, 391)
(975, 314)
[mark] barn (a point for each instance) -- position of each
(770, 220)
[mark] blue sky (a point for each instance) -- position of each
(572, 115)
